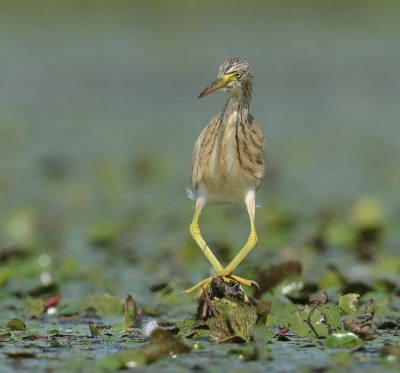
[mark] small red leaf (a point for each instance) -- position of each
(51, 302)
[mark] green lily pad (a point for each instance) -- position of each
(324, 319)
(343, 339)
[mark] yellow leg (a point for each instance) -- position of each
(250, 245)
(196, 234)
(225, 273)
(198, 238)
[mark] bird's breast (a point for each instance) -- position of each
(225, 180)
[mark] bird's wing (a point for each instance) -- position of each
(203, 150)
(255, 149)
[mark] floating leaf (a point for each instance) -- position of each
(16, 325)
(343, 339)
(348, 302)
(323, 319)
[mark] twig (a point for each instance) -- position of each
(209, 304)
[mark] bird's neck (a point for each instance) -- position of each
(233, 116)
(237, 105)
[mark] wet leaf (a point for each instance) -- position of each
(16, 325)
(348, 303)
(343, 339)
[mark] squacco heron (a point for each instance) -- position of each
(228, 163)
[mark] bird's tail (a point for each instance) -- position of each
(191, 194)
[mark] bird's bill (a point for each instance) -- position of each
(221, 82)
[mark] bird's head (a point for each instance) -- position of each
(234, 73)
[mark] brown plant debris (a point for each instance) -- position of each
(363, 330)
(315, 302)
(273, 275)
(224, 314)
(218, 289)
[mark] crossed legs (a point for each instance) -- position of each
(225, 273)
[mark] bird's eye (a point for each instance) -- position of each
(238, 74)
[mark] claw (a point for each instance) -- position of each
(255, 283)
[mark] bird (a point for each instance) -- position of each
(228, 164)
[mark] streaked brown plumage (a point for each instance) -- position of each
(228, 160)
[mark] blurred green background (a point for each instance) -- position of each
(99, 114)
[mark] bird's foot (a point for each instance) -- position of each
(227, 276)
